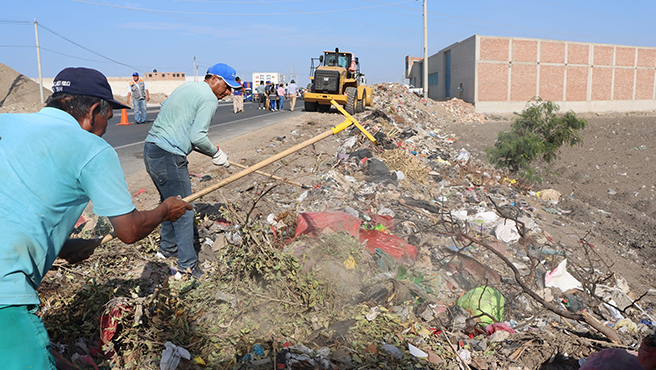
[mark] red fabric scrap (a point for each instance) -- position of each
(390, 244)
(109, 325)
(315, 223)
(498, 326)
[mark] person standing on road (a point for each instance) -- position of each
(261, 95)
(140, 95)
(181, 127)
(53, 163)
(292, 90)
(273, 96)
(238, 98)
(281, 96)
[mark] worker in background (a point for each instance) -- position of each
(292, 90)
(261, 95)
(267, 91)
(180, 127)
(238, 98)
(140, 95)
(281, 96)
(53, 163)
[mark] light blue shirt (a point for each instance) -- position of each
(292, 89)
(49, 170)
(182, 124)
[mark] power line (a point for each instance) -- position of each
(240, 14)
(264, 32)
(7, 21)
(85, 48)
(478, 21)
(74, 57)
(593, 12)
(241, 2)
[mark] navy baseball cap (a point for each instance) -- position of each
(85, 81)
(226, 72)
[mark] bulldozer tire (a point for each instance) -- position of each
(359, 105)
(310, 106)
(323, 108)
(351, 95)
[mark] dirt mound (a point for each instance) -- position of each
(18, 93)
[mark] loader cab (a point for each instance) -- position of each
(336, 59)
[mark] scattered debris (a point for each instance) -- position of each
(408, 253)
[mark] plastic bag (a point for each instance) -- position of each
(561, 279)
(483, 299)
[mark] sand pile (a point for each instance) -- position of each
(18, 93)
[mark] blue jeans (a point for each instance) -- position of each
(170, 174)
(139, 110)
(281, 100)
(24, 342)
(274, 104)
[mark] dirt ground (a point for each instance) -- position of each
(609, 183)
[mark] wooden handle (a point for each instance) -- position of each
(268, 174)
(247, 171)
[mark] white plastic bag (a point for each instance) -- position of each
(561, 279)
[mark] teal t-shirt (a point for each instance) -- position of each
(49, 170)
(184, 119)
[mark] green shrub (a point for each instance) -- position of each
(536, 133)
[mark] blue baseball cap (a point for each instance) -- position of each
(135, 74)
(85, 81)
(226, 72)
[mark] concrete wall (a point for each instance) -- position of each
(463, 65)
(578, 76)
(119, 85)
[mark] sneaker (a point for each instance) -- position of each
(194, 271)
(162, 254)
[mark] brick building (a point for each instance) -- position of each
(500, 74)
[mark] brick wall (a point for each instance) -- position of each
(515, 70)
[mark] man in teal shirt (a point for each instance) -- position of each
(180, 127)
(52, 163)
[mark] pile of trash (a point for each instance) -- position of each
(404, 253)
(463, 111)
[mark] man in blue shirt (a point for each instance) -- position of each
(180, 127)
(52, 163)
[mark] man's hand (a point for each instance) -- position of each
(221, 159)
(175, 208)
(77, 250)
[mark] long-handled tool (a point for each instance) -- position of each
(269, 175)
(333, 131)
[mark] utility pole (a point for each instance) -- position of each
(38, 58)
(195, 80)
(425, 66)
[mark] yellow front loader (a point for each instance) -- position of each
(337, 77)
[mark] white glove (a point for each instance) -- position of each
(221, 159)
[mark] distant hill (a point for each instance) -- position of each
(19, 94)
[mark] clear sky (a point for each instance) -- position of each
(119, 37)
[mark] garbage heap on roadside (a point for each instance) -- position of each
(404, 253)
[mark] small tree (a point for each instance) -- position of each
(537, 132)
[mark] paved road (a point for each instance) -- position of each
(128, 140)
